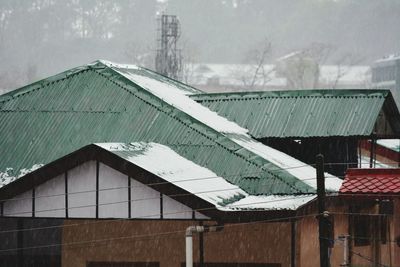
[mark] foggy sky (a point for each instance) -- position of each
(39, 38)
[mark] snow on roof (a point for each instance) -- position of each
(388, 58)
(365, 163)
(302, 171)
(167, 164)
(273, 202)
(118, 65)
(202, 182)
(8, 176)
(392, 144)
(180, 100)
(290, 55)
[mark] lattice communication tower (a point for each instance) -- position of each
(168, 57)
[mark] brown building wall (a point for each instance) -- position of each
(308, 243)
(163, 241)
(141, 241)
(308, 247)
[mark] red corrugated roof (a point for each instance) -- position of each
(371, 181)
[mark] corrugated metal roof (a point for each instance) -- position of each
(304, 113)
(100, 103)
(170, 166)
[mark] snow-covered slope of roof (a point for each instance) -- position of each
(202, 182)
(302, 171)
(167, 164)
(181, 100)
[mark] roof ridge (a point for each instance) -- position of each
(318, 93)
(110, 64)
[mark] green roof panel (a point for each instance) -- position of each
(99, 103)
(305, 113)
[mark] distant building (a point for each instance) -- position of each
(238, 77)
(386, 74)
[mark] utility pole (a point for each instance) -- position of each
(322, 214)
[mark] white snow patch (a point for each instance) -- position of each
(302, 171)
(392, 144)
(273, 202)
(365, 163)
(117, 65)
(24, 171)
(388, 58)
(6, 177)
(167, 164)
(180, 100)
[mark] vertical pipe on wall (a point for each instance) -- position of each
(345, 240)
(189, 250)
(189, 239)
(201, 247)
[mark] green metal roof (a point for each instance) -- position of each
(97, 103)
(306, 113)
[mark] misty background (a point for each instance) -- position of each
(39, 38)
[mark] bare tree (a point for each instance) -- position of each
(302, 69)
(253, 72)
(139, 54)
(189, 59)
(343, 66)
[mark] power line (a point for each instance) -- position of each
(156, 235)
(368, 259)
(152, 215)
(162, 183)
(162, 235)
(141, 217)
(185, 180)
